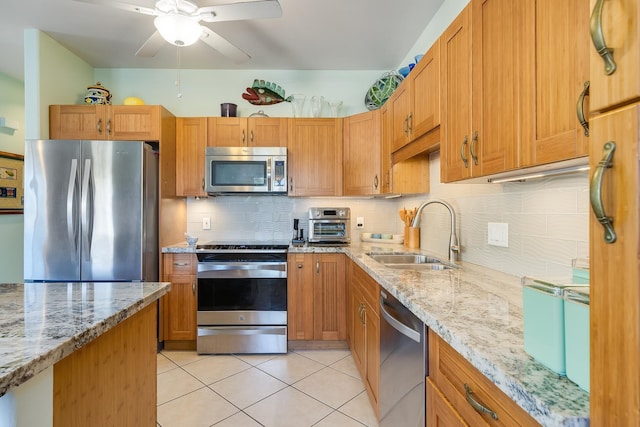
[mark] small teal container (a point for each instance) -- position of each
(543, 309)
(576, 326)
(580, 270)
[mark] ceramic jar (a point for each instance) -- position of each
(97, 94)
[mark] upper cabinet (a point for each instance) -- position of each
(562, 81)
(247, 132)
(416, 103)
(487, 62)
(191, 143)
(109, 122)
(362, 145)
(615, 31)
(315, 157)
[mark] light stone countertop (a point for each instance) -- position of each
(42, 323)
(478, 311)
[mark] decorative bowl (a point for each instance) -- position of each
(191, 241)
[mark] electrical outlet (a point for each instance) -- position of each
(498, 234)
(206, 223)
(360, 222)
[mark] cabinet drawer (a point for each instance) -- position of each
(180, 264)
(456, 378)
(368, 286)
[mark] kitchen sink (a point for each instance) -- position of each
(411, 261)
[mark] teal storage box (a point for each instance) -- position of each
(580, 270)
(576, 326)
(544, 323)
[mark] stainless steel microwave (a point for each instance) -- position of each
(244, 170)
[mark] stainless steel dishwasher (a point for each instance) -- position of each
(403, 365)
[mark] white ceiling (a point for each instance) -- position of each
(311, 35)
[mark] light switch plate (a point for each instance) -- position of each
(498, 234)
(206, 223)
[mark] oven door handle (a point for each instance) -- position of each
(241, 269)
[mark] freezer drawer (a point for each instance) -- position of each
(241, 339)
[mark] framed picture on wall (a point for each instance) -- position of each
(11, 185)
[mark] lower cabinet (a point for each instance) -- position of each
(180, 304)
(364, 329)
(459, 395)
(316, 297)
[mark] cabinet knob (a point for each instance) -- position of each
(299, 265)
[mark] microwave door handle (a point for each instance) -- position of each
(269, 174)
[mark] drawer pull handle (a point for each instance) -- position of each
(580, 108)
(476, 405)
(597, 37)
(595, 192)
(180, 264)
(472, 148)
(462, 151)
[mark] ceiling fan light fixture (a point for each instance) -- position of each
(177, 29)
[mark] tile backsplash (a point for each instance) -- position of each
(548, 220)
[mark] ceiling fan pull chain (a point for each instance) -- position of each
(178, 73)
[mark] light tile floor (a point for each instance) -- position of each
(304, 388)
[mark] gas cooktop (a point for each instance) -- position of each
(278, 246)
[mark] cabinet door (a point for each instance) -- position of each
(227, 132)
(133, 122)
(372, 331)
(502, 55)
(562, 69)
(620, 26)
(315, 157)
(362, 149)
(267, 132)
(440, 413)
(77, 122)
(425, 86)
(401, 108)
(329, 305)
(615, 281)
(358, 337)
(386, 119)
(181, 308)
(191, 143)
(300, 305)
(455, 129)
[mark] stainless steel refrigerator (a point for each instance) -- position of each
(90, 211)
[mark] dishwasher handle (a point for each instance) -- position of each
(397, 324)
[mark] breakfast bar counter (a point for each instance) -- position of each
(89, 345)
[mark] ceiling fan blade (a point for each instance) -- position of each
(151, 46)
(261, 9)
(223, 46)
(122, 5)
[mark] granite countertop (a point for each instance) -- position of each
(478, 311)
(42, 323)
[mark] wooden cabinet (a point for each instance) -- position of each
(496, 79)
(191, 143)
(315, 157)
(615, 397)
(364, 332)
(561, 72)
(180, 305)
(362, 148)
(457, 383)
(109, 122)
(620, 28)
(247, 132)
(386, 130)
(316, 297)
(416, 103)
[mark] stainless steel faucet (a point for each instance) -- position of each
(454, 245)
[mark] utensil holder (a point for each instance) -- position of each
(413, 237)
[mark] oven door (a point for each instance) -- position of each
(329, 231)
(238, 293)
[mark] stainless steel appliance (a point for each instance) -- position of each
(329, 225)
(403, 365)
(90, 211)
(242, 298)
(246, 170)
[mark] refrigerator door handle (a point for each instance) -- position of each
(71, 208)
(86, 210)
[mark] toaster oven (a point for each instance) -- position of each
(329, 225)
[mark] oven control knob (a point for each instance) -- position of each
(340, 213)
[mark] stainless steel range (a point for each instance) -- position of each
(242, 298)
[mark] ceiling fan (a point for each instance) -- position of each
(178, 22)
